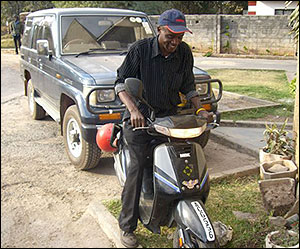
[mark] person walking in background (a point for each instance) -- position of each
(16, 28)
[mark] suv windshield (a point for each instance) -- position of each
(102, 33)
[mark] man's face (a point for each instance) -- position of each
(168, 41)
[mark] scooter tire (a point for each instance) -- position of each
(197, 243)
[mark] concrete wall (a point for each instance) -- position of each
(239, 34)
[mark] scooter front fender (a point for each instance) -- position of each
(191, 215)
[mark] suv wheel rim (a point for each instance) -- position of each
(74, 138)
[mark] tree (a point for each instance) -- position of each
(10, 8)
(93, 4)
(210, 7)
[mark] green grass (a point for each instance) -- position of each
(7, 41)
(227, 195)
(269, 85)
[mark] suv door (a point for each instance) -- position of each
(33, 56)
(48, 66)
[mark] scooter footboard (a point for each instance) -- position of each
(191, 214)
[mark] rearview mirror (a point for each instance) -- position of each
(42, 47)
(134, 87)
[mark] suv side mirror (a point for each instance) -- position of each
(43, 48)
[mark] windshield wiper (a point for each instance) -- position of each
(88, 51)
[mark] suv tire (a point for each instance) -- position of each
(36, 111)
(83, 155)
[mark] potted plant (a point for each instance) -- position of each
(278, 169)
(282, 238)
(278, 144)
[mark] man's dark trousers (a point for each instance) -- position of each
(17, 41)
(138, 142)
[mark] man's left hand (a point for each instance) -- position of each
(207, 115)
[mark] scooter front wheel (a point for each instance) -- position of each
(191, 242)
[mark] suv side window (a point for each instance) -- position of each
(37, 35)
(42, 30)
(27, 33)
(48, 36)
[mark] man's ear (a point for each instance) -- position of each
(158, 29)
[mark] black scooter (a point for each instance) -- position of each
(176, 182)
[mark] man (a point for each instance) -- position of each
(16, 29)
(165, 66)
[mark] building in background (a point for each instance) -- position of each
(270, 8)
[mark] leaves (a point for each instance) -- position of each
(277, 140)
(294, 21)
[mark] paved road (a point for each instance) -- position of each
(290, 66)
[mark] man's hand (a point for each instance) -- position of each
(200, 111)
(137, 119)
(207, 115)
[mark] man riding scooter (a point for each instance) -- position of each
(165, 66)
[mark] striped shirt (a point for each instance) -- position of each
(162, 77)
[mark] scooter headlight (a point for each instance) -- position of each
(180, 133)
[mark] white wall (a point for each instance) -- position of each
(268, 7)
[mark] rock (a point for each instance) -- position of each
(223, 232)
(245, 216)
(278, 195)
(278, 168)
(277, 221)
(293, 210)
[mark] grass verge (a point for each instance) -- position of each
(269, 85)
(7, 41)
(226, 195)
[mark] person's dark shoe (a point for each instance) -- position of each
(128, 239)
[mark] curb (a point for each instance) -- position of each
(247, 56)
(252, 124)
(237, 172)
(226, 142)
(108, 223)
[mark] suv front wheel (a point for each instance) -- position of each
(83, 155)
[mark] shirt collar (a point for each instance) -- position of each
(156, 50)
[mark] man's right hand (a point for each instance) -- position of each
(137, 119)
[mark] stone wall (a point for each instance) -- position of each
(237, 34)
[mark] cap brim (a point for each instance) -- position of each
(178, 29)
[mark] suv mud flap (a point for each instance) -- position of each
(191, 215)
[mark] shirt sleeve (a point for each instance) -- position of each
(129, 68)
(188, 86)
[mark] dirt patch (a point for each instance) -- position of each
(10, 59)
